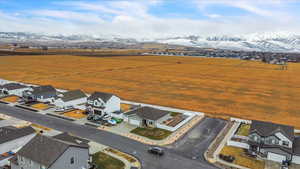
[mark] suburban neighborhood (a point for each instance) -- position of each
(238, 144)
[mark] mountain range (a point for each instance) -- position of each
(266, 42)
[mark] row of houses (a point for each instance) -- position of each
(27, 149)
(97, 103)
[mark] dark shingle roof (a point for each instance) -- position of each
(150, 113)
(73, 95)
(267, 129)
(103, 96)
(296, 146)
(45, 150)
(13, 86)
(43, 89)
(10, 133)
(72, 139)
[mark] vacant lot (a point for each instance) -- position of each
(221, 87)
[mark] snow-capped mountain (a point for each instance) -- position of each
(270, 41)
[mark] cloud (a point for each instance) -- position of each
(135, 19)
(258, 7)
(69, 15)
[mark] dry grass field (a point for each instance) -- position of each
(220, 87)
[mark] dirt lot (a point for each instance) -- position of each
(221, 87)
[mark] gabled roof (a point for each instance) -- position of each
(43, 89)
(149, 113)
(73, 95)
(72, 139)
(296, 146)
(103, 96)
(46, 150)
(13, 86)
(266, 129)
(10, 133)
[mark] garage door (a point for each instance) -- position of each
(134, 122)
(296, 159)
(276, 157)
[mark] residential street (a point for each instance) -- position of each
(196, 141)
(174, 157)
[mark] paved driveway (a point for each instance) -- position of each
(196, 141)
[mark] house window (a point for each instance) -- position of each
(72, 160)
(285, 143)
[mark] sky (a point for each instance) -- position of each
(150, 18)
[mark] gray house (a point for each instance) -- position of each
(146, 116)
(59, 152)
(40, 93)
(271, 141)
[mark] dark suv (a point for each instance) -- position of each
(156, 151)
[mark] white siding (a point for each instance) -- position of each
(18, 92)
(80, 155)
(62, 104)
(296, 159)
(112, 105)
(15, 144)
(276, 157)
(283, 138)
(135, 122)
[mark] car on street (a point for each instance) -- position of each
(156, 150)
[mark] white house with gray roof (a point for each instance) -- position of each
(13, 89)
(58, 152)
(70, 99)
(101, 103)
(12, 139)
(146, 116)
(45, 93)
(274, 142)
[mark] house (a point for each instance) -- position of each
(40, 93)
(273, 142)
(101, 103)
(59, 152)
(70, 99)
(12, 89)
(296, 151)
(12, 139)
(146, 116)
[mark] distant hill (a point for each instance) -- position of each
(264, 42)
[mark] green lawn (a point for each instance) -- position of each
(104, 161)
(243, 130)
(174, 113)
(152, 133)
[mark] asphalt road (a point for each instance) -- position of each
(171, 160)
(197, 140)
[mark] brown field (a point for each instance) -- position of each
(220, 87)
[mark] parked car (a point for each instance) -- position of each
(117, 120)
(156, 150)
(112, 122)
